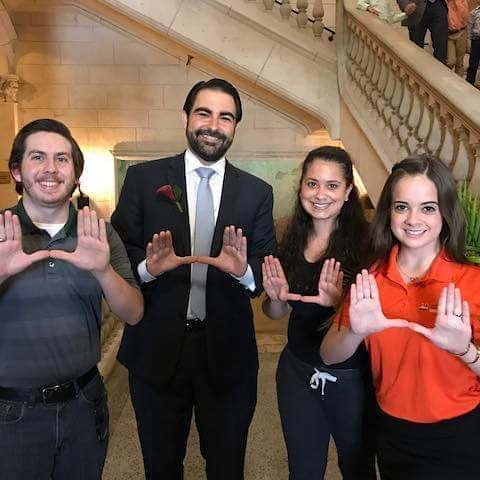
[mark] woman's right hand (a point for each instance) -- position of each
(366, 316)
(275, 282)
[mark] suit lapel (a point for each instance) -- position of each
(229, 197)
(176, 176)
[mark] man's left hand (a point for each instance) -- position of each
(92, 252)
(233, 256)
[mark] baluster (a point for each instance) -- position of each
(302, 17)
(318, 14)
(268, 4)
(285, 9)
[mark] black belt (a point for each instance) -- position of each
(195, 324)
(59, 393)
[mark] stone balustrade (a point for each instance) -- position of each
(308, 13)
(403, 99)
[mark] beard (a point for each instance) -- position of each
(209, 152)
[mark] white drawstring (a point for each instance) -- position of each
(323, 377)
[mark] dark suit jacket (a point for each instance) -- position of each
(151, 349)
(416, 16)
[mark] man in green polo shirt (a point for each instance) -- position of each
(55, 266)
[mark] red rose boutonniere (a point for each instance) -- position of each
(173, 193)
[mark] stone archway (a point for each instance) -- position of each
(8, 104)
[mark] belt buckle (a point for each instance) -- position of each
(49, 392)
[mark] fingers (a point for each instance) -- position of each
(442, 302)
(87, 222)
(17, 229)
(9, 231)
(149, 249)
(243, 246)
(161, 241)
(309, 299)
(60, 254)
(167, 239)
(233, 237)
(10, 227)
(3, 236)
(269, 266)
(187, 260)
(293, 297)
(89, 225)
(340, 281)
(373, 287)
(39, 255)
(206, 260)
(457, 302)
(102, 230)
(367, 291)
(416, 327)
(450, 299)
(466, 313)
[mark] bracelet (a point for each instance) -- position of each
(463, 353)
(475, 360)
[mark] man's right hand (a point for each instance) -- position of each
(410, 8)
(13, 259)
(161, 255)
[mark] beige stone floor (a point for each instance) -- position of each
(265, 458)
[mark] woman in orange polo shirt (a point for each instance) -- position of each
(425, 370)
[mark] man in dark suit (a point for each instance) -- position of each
(423, 15)
(195, 348)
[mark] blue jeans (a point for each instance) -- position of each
(309, 416)
(57, 441)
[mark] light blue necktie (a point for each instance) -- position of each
(202, 241)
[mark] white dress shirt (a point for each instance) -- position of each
(216, 184)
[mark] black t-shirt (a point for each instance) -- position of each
(308, 322)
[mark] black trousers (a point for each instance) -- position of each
(164, 418)
(445, 450)
(474, 61)
(342, 409)
(434, 19)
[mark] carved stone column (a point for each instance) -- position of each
(302, 17)
(318, 14)
(8, 129)
(9, 88)
(285, 9)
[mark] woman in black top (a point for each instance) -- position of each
(327, 230)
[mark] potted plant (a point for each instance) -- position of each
(471, 207)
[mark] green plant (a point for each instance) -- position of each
(471, 207)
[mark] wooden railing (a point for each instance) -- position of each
(404, 100)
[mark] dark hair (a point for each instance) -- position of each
(214, 84)
(43, 125)
(452, 235)
(347, 243)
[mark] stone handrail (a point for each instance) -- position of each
(304, 10)
(404, 100)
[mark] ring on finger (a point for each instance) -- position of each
(458, 314)
(2, 239)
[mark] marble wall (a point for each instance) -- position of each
(122, 97)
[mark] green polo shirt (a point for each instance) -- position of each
(50, 314)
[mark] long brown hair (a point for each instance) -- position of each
(347, 243)
(452, 235)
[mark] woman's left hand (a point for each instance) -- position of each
(452, 331)
(330, 285)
